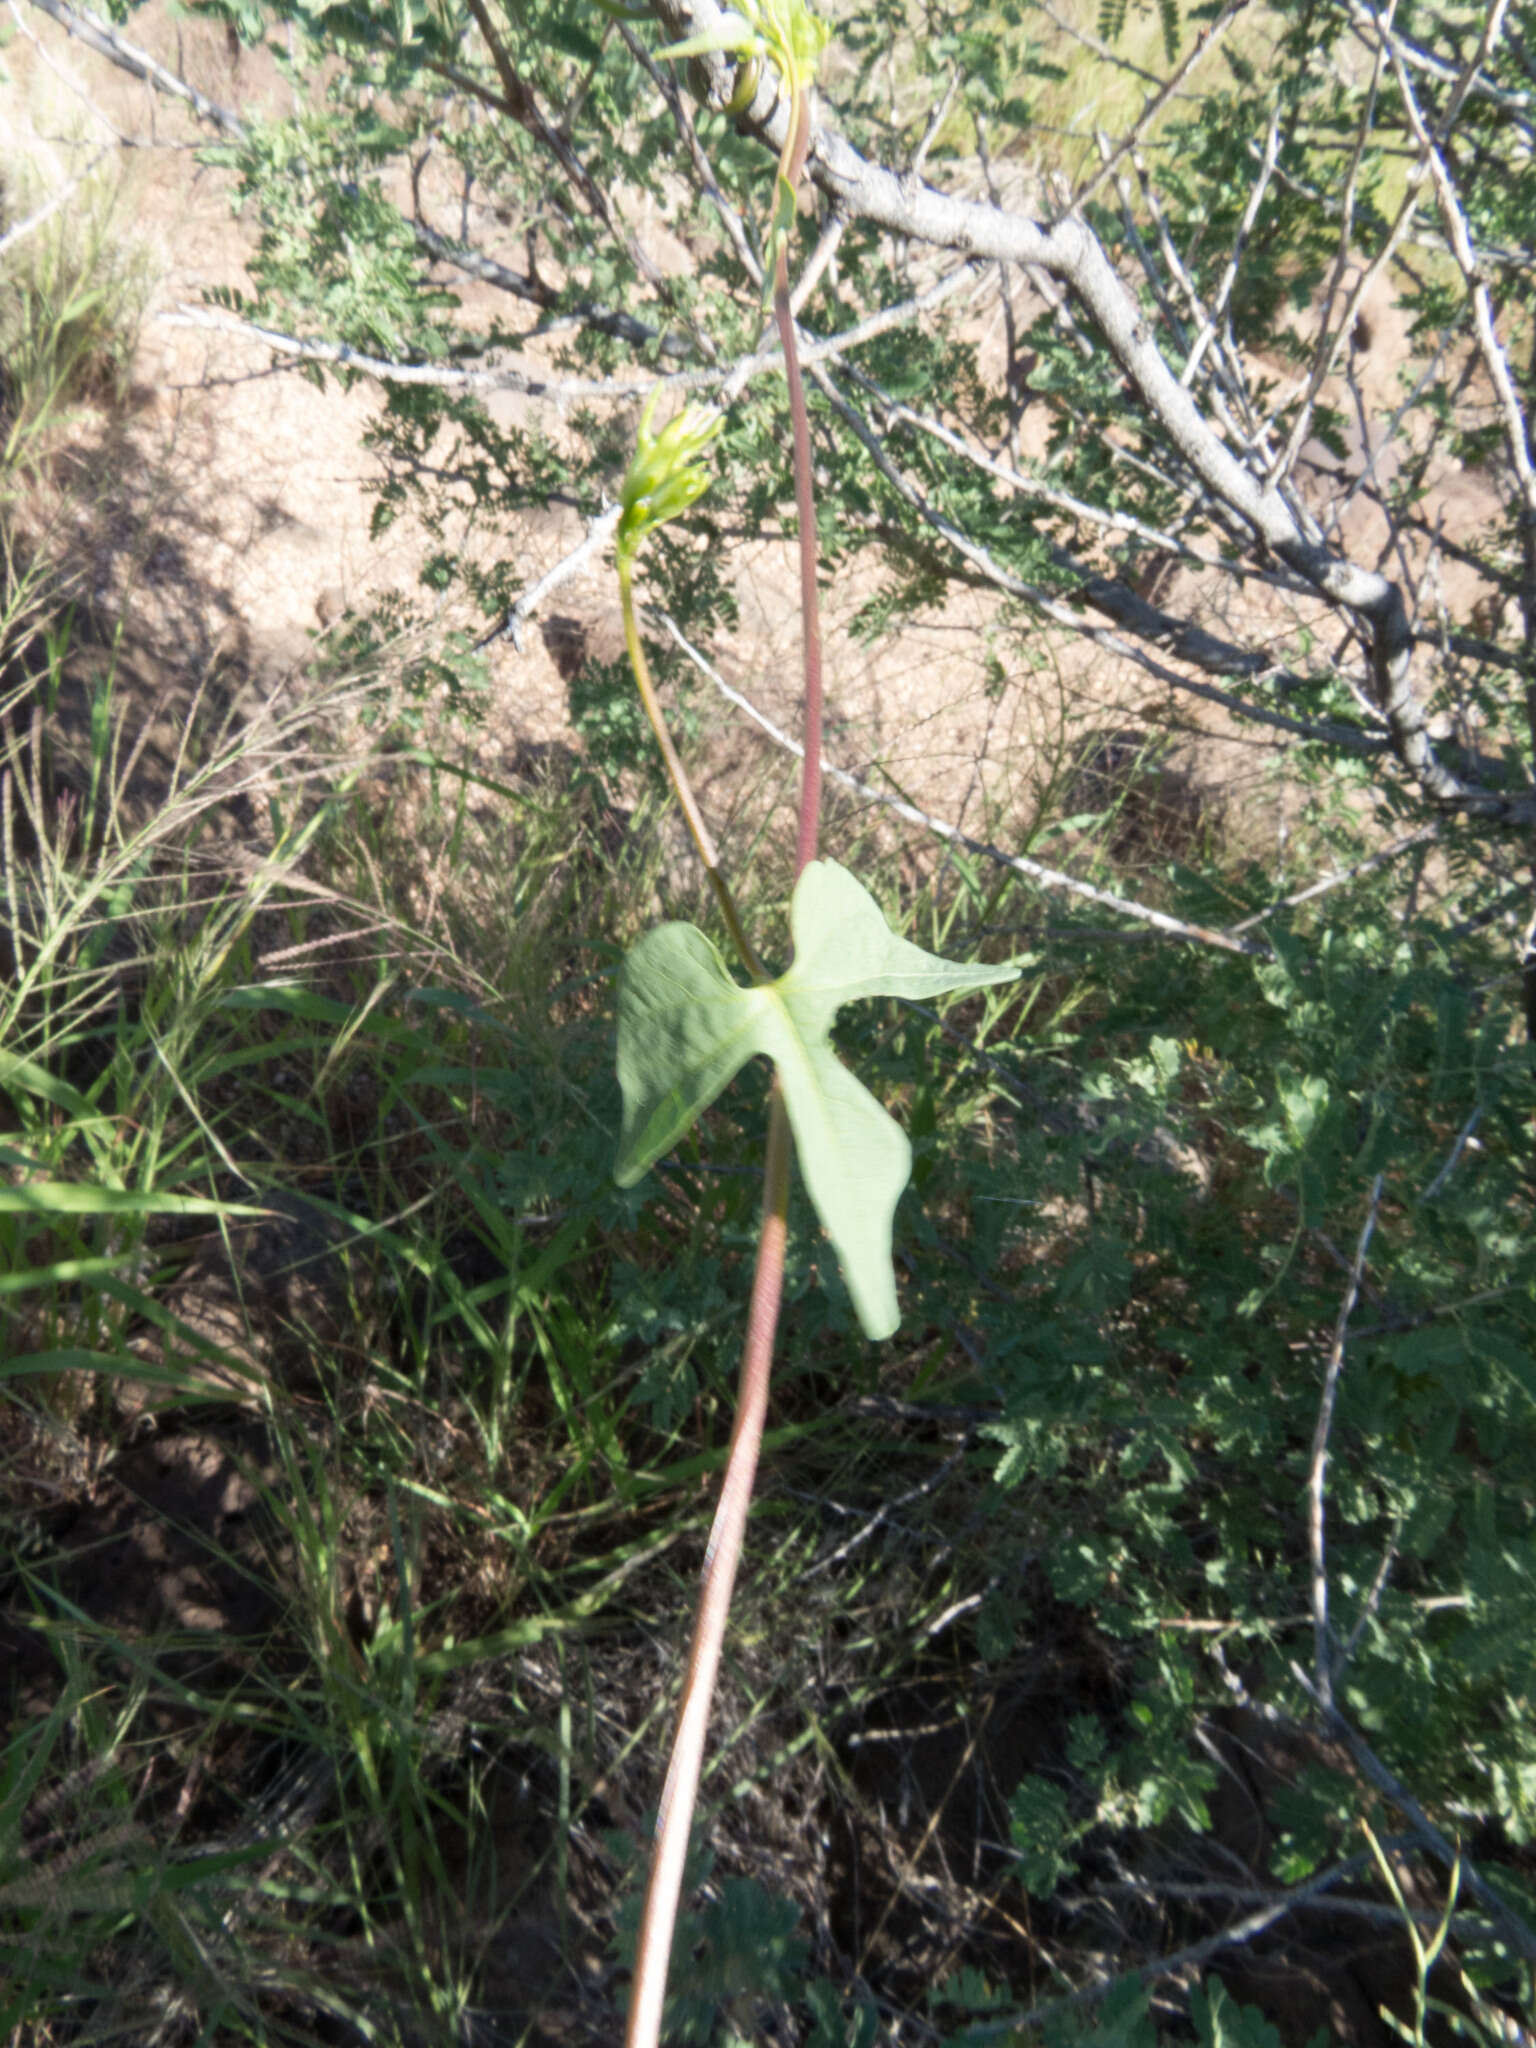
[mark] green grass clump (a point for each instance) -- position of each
(73, 288)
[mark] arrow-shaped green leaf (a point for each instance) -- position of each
(686, 1029)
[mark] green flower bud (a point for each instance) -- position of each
(667, 474)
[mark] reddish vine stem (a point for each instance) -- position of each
(679, 1795)
(805, 506)
(680, 1792)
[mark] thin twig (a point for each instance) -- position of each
(1423, 836)
(1180, 1960)
(1448, 1854)
(1372, 1600)
(44, 213)
(439, 376)
(728, 380)
(1113, 519)
(805, 509)
(1464, 1925)
(935, 122)
(603, 319)
(1218, 319)
(1450, 1857)
(818, 261)
(1226, 386)
(1322, 1654)
(1325, 355)
(1209, 36)
(600, 531)
(1495, 362)
(682, 115)
(1035, 871)
(1463, 1139)
(1364, 18)
(1104, 592)
(1106, 52)
(872, 1524)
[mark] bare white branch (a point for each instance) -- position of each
(107, 42)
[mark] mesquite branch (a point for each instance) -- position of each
(1069, 251)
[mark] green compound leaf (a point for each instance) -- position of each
(686, 1029)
